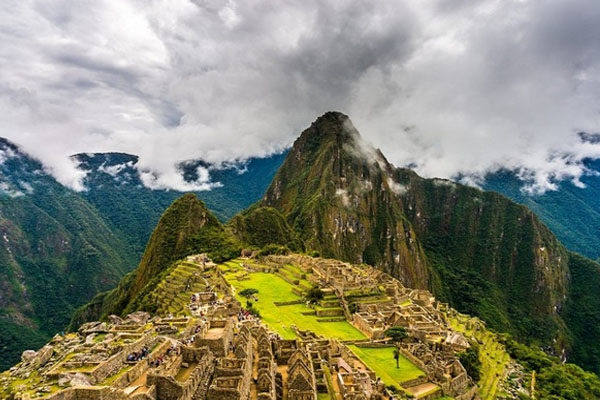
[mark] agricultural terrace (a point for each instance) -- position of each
(381, 361)
(492, 354)
(273, 288)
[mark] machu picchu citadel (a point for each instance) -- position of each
(278, 327)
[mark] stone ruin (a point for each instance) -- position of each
(210, 354)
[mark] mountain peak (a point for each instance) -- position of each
(331, 126)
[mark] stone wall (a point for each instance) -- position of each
(219, 345)
(116, 362)
(131, 375)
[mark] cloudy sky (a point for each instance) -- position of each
(448, 86)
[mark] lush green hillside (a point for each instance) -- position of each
(495, 258)
(59, 248)
(186, 227)
(478, 250)
(56, 252)
(260, 226)
(571, 212)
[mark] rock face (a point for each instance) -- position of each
(37, 358)
(340, 198)
(28, 355)
(478, 250)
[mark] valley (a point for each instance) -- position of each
(469, 293)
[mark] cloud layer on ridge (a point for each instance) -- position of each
(448, 86)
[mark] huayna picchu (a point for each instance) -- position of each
(349, 279)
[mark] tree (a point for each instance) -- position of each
(397, 357)
(248, 292)
(314, 295)
(397, 333)
(470, 360)
(353, 307)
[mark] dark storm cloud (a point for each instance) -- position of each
(448, 86)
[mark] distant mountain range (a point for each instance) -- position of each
(58, 248)
(571, 212)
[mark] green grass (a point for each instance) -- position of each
(381, 361)
(272, 288)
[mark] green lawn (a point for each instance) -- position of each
(272, 288)
(381, 361)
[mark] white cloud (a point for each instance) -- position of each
(450, 86)
(396, 188)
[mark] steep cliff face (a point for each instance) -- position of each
(343, 203)
(495, 258)
(478, 250)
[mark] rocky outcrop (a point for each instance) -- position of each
(337, 194)
(479, 251)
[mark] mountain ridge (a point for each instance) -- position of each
(480, 251)
(59, 248)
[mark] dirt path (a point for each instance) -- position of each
(282, 369)
(253, 388)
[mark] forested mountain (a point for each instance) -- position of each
(59, 247)
(186, 227)
(571, 212)
(116, 190)
(478, 250)
(56, 250)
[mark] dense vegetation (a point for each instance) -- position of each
(572, 212)
(470, 360)
(581, 312)
(60, 248)
(553, 379)
(56, 252)
(261, 226)
(186, 227)
(494, 257)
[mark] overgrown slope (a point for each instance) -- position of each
(495, 258)
(186, 227)
(261, 226)
(56, 252)
(478, 250)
